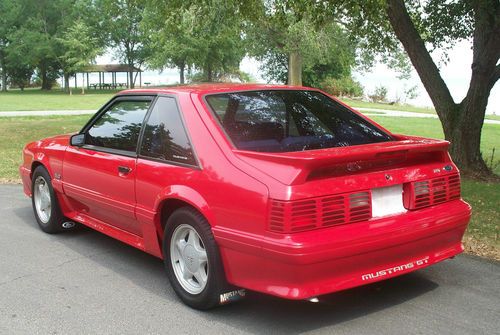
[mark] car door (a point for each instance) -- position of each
(99, 176)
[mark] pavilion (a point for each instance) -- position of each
(113, 69)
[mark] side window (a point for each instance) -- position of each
(164, 135)
(119, 127)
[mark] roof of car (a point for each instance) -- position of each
(209, 88)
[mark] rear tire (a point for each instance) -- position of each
(192, 259)
(45, 205)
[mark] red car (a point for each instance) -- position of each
(276, 189)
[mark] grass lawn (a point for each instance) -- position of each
(483, 234)
(398, 107)
(493, 117)
(38, 100)
(16, 132)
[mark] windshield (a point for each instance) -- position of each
(286, 120)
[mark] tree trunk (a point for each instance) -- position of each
(83, 83)
(66, 83)
(182, 67)
(295, 68)
(4, 72)
(46, 85)
(208, 72)
(462, 123)
(131, 78)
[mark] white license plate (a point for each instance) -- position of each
(387, 201)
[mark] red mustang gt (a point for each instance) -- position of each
(281, 190)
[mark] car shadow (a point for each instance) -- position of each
(257, 311)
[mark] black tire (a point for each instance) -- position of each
(216, 280)
(56, 219)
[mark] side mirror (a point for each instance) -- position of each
(77, 140)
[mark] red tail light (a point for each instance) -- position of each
(314, 213)
(431, 192)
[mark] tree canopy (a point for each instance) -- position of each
(313, 42)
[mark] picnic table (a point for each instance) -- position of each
(107, 86)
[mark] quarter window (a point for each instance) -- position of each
(164, 135)
(119, 127)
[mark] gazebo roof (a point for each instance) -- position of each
(109, 68)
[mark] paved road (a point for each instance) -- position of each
(86, 283)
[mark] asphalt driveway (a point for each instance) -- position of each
(86, 283)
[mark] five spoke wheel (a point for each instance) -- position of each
(42, 200)
(189, 259)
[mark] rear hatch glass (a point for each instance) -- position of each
(290, 120)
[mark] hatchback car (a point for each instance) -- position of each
(277, 189)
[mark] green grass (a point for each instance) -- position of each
(398, 107)
(493, 117)
(36, 99)
(16, 132)
(484, 199)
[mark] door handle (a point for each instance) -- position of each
(124, 169)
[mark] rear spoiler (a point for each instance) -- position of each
(293, 168)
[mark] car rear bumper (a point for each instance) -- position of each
(304, 265)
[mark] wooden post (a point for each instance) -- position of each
(140, 79)
(88, 84)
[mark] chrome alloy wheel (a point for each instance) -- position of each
(189, 259)
(43, 202)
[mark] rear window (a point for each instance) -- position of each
(286, 120)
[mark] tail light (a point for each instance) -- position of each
(431, 192)
(314, 213)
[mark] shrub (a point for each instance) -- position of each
(345, 86)
(380, 94)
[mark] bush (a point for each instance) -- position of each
(345, 86)
(380, 94)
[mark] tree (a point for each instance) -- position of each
(9, 20)
(36, 38)
(80, 38)
(313, 49)
(205, 35)
(173, 42)
(81, 48)
(421, 27)
(128, 39)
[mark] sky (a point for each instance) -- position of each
(456, 73)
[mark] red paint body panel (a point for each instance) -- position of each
(234, 190)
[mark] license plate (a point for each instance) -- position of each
(387, 201)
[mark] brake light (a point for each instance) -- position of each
(425, 193)
(314, 213)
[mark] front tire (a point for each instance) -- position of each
(192, 259)
(45, 205)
